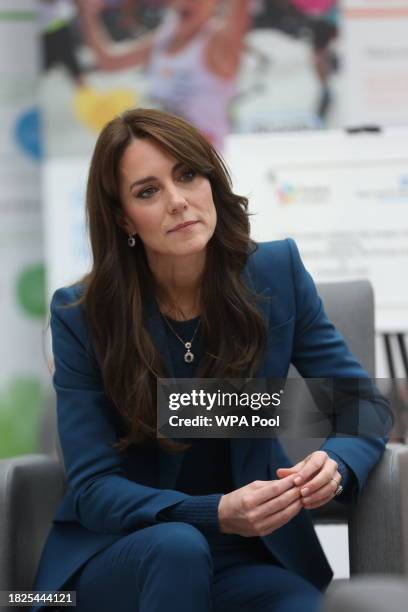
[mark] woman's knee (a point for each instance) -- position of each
(178, 542)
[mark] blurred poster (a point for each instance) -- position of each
(68, 252)
(376, 61)
(342, 197)
(226, 65)
(23, 371)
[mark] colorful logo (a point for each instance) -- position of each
(286, 193)
(28, 133)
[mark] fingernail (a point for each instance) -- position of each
(305, 491)
(298, 480)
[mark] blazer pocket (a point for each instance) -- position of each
(279, 332)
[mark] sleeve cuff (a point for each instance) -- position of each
(198, 510)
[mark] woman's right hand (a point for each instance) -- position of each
(260, 507)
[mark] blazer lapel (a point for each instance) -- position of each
(155, 326)
(241, 447)
(168, 464)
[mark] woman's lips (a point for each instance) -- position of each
(183, 226)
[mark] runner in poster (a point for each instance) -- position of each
(312, 20)
(192, 58)
(91, 106)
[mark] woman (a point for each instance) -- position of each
(191, 59)
(149, 524)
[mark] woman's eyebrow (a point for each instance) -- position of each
(142, 181)
(147, 179)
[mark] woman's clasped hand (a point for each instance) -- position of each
(317, 476)
(262, 506)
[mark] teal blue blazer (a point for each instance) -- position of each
(109, 495)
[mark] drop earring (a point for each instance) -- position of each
(132, 240)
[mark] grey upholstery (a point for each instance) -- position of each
(378, 527)
(350, 307)
(368, 594)
(31, 486)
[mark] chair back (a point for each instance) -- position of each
(350, 307)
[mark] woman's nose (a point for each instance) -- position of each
(177, 201)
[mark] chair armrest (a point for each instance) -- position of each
(378, 527)
(31, 487)
(367, 594)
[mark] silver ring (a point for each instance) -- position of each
(338, 490)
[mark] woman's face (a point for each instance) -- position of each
(165, 202)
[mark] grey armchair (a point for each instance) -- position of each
(31, 486)
(376, 593)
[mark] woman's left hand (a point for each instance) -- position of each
(317, 478)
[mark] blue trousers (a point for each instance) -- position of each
(173, 567)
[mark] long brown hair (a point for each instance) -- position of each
(115, 289)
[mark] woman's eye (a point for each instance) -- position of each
(188, 175)
(146, 193)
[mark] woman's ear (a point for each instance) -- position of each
(125, 224)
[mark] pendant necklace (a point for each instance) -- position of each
(188, 355)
